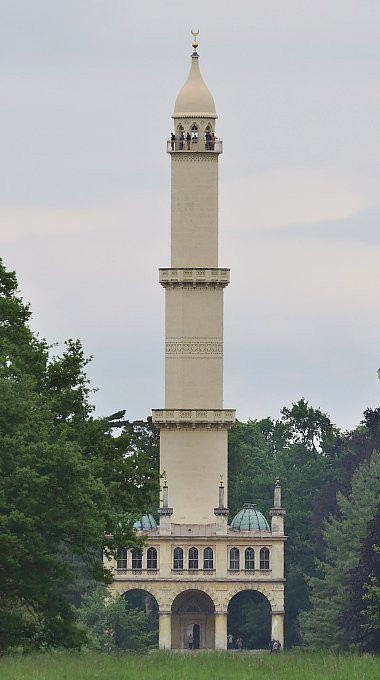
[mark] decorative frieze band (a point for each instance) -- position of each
(165, 512)
(219, 419)
(213, 277)
(194, 348)
(193, 156)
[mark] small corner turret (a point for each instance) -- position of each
(164, 511)
(277, 513)
(221, 512)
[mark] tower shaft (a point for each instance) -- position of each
(193, 437)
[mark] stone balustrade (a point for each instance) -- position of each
(216, 277)
(192, 418)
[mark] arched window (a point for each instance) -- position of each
(208, 558)
(193, 558)
(264, 558)
(178, 558)
(234, 558)
(151, 558)
(249, 558)
(136, 559)
(194, 134)
(122, 559)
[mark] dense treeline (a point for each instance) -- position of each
(331, 491)
(71, 488)
(68, 488)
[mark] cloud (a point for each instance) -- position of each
(88, 89)
(290, 196)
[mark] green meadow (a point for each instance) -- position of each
(199, 666)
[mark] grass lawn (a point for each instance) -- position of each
(203, 666)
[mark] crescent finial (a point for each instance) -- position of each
(195, 41)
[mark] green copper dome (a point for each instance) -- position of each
(249, 519)
(145, 523)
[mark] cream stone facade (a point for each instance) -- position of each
(193, 563)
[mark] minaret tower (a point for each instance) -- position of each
(193, 564)
(193, 426)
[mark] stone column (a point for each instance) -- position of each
(278, 627)
(165, 630)
(220, 631)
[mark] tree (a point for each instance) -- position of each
(372, 598)
(68, 489)
(301, 449)
(310, 427)
(363, 620)
(323, 625)
(110, 624)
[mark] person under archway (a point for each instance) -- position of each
(190, 640)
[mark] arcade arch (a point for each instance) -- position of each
(192, 620)
(249, 618)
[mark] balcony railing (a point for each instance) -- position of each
(194, 146)
(249, 572)
(193, 572)
(134, 572)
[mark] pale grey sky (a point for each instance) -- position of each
(87, 91)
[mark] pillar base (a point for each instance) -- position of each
(220, 631)
(165, 630)
(278, 627)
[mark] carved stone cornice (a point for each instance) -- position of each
(184, 419)
(221, 512)
(190, 277)
(277, 511)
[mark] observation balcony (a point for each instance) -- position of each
(219, 419)
(179, 276)
(198, 146)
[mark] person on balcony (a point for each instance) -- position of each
(207, 140)
(172, 140)
(188, 140)
(212, 141)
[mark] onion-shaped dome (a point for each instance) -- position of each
(145, 523)
(249, 519)
(194, 99)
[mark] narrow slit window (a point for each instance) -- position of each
(208, 558)
(136, 559)
(249, 558)
(193, 558)
(178, 558)
(264, 558)
(122, 560)
(151, 558)
(234, 558)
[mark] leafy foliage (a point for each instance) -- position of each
(363, 620)
(68, 488)
(323, 626)
(301, 449)
(112, 625)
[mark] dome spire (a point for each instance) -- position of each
(194, 99)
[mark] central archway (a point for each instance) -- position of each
(193, 621)
(249, 618)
